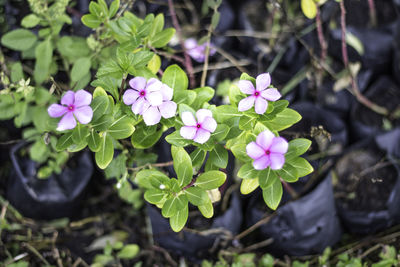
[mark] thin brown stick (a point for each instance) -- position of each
(254, 226)
(233, 60)
(258, 245)
(322, 42)
(205, 66)
(162, 164)
(166, 255)
(372, 13)
(290, 189)
(188, 61)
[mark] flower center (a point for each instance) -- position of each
(142, 93)
(198, 126)
(267, 152)
(71, 107)
(256, 93)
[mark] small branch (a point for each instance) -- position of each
(254, 226)
(34, 250)
(321, 39)
(188, 61)
(162, 164)
(290, 190)
(231, 59)
(190, 184)
(166, 255)
(121, 90)
(258, 245)
(372, 13)
(205, 66)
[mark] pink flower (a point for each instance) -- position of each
(72, 104)
(151, 98)
(200, 130)
(258, 95)
(267, 151)
(196, 51)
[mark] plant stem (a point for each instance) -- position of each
(162, 164)
(290, 190)
(372, 13)
(205, 66)
(322, 42)
(121, 90)
(188, 61)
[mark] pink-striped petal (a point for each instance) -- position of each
(254, 151)
(246, 87)
(56, 110)
(138, 83)
(188, 132)
(209, 124)
(264, 139)
(151, 116)
(261, 105)
(68, 98)
(130, 96)
(168, 109)
(271, 94)
(279, 145)
(201, 136)
(188, 119)
(202, 114)
(67, 122)
(154, 98)
(263, 81)
(277, 161)
(82, 98)
(84, 114)
(153, 85)
(261, 163)
(140, 106)
(246, 103)
(167, 92)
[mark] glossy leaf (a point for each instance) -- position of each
(273, 194)
(210, 180)
(182, 165)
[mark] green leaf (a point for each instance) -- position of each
(111, 69)
(152, 179)
(247, 123)
(64, 142)
(197, 157)
(215, 19)
(94, 141)
(226, 112)
(309, 8)
(207, 210)
(154, 64)
(302, 166)
(105, 154)
(161, 39)
(39, 152)
(175, 78)
(219, 156)
(288, 173)
(210, 180)
(75, 147)
(196, 196)
(158, 25)
(113, 8)
(298, 147)
(145, 28)
(203, 95)
(283, 120)
(16, 72)
(154, 196)
(248, 185)
(43, 55)
(247, 171)
(80, 68)
(129, 251)
(267, 177)
(102, 123)
(179, 220)
(173, 205)
(95, 9)
(273, 194)
(177, 140)
(30, 21)
(99, 104)
(184, 97)
(109, 84)
(182, 165)
(220, 132)
(142, 139)
(239, 151)
(90, 21)
(354, 42)
(121, 128)
(80, 133)
(20, 39)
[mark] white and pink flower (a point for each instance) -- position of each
(198, 130)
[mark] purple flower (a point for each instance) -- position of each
(200, 130)
(267, 151)
(196, 51)
(72, 104)
(151, 98)
(258, 95)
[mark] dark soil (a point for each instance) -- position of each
(364, 180)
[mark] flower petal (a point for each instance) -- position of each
(264, 139)
(254, 151)
(279, 145)
(154, 98)
(202, 136)
(68, 98)
(261, 105)
(246, 87)
(67, 122)
(140, 105)
(203, 113)
(209, 124)
(261, 163)
(84, 114)
(277, 161)
(190, 43)
(263, 81)
(138, 83)
(56, 110)
(130, 96)
(82, 98)
(153, 85)
(168, 109)
(188, 118)
(246, 103)
(167, 92)
(151, 116)
(188, 132)
(271, 94)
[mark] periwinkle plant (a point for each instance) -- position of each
(131, 101)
